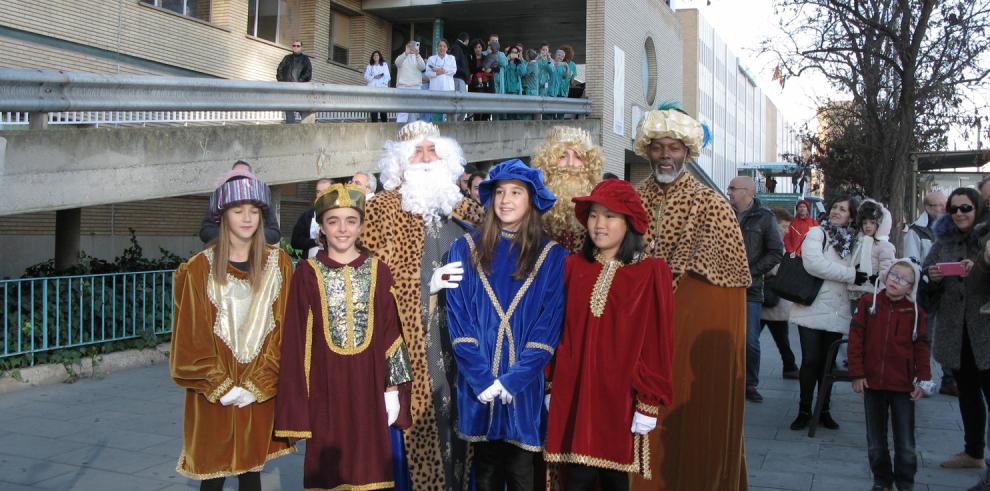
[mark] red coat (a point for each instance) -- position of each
(795, 234)
(880, 345)
(608, 367)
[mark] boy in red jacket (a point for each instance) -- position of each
(888, 355)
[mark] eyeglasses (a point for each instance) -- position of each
(297, 46)
(900, 280)
(952, 209)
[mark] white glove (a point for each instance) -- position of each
(247, 398)
(232, 395)
(454, 272)
(489, 394)
(643, 424)
(506, 397)
(392, 406)
(546, 401)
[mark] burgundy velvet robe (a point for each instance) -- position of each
(608, 367)
(336, 401)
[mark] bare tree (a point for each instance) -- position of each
(904, 64)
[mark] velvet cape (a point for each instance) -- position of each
(515, 356)
(334, 397)
(608, 367)
(220, 441)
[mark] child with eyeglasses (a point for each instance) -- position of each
(888, 360)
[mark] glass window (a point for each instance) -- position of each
(340, 37)
(274, 20)
(199, 9)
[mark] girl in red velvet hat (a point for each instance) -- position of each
(612, 369)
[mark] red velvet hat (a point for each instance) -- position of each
(616, 195)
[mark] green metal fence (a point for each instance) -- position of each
(46, 314)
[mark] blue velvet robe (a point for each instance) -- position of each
(518, 361)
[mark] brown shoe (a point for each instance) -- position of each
(949, 390)
(962, 460)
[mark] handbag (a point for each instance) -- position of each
(793, 282)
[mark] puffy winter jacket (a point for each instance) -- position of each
(881, 348)
(830, 311)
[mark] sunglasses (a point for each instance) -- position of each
(297, 46)
(963, 208)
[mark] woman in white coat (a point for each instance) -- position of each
(829, 252)
(440, 69)
(377, 75)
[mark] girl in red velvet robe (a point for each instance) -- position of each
(343, 357)
(612, 369)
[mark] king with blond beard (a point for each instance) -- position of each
(410, 227)
(572, 166)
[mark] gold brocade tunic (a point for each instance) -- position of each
(212, 323)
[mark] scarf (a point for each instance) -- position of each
(843, 239)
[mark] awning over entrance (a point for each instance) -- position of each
(951, 160)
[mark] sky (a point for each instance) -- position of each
(745, 24)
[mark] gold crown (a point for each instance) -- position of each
(570, 134)
(418, 129)
(340, 196)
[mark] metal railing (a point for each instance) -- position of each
(46, 314)
(169, 118)
(48, 91)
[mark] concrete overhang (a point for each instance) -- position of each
(68, 168)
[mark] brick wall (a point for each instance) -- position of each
(219, 48)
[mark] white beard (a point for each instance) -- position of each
(669, 178)
(429, 190)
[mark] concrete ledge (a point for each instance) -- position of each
(56, 373)
(69, 168)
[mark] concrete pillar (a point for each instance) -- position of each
(67, 227)
(38, 121)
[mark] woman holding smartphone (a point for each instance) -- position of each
(957, 287)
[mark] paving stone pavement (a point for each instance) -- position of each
(124, 432)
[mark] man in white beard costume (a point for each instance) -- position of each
(410, 226)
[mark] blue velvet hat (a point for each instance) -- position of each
(542, 198)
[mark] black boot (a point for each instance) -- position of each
(827, 421)
(803, 418)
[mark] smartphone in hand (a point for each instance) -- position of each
(951, 269)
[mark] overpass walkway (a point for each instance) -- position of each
(52, 169)
(124, 432)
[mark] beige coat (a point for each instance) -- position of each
(831, 310)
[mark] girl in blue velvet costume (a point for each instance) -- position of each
(505, 320)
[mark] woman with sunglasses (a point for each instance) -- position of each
(962, 339)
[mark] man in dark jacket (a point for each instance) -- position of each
(209, 229)
(305, 232)
(463, 74)
(764, 250)
(295, 67)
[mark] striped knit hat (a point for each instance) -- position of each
(243, 187)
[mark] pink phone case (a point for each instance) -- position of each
(951, 269)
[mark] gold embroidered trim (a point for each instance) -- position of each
(308, 355)
(258, 394)
(647, 409)
(395, 347)
(214, 475)
(640, 464)
(221, 389)
(293, 434)
(351, 349)
(545, 347)
(599, 294)
(457, 341)
(360, 487)
(504, 328)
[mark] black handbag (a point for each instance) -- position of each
(793, 282)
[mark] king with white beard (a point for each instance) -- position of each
(410, 227)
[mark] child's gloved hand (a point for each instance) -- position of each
(446, 276)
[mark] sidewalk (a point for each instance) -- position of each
(125, 432)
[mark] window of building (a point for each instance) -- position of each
(274, 20)
(199, 9)
(340, 37)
